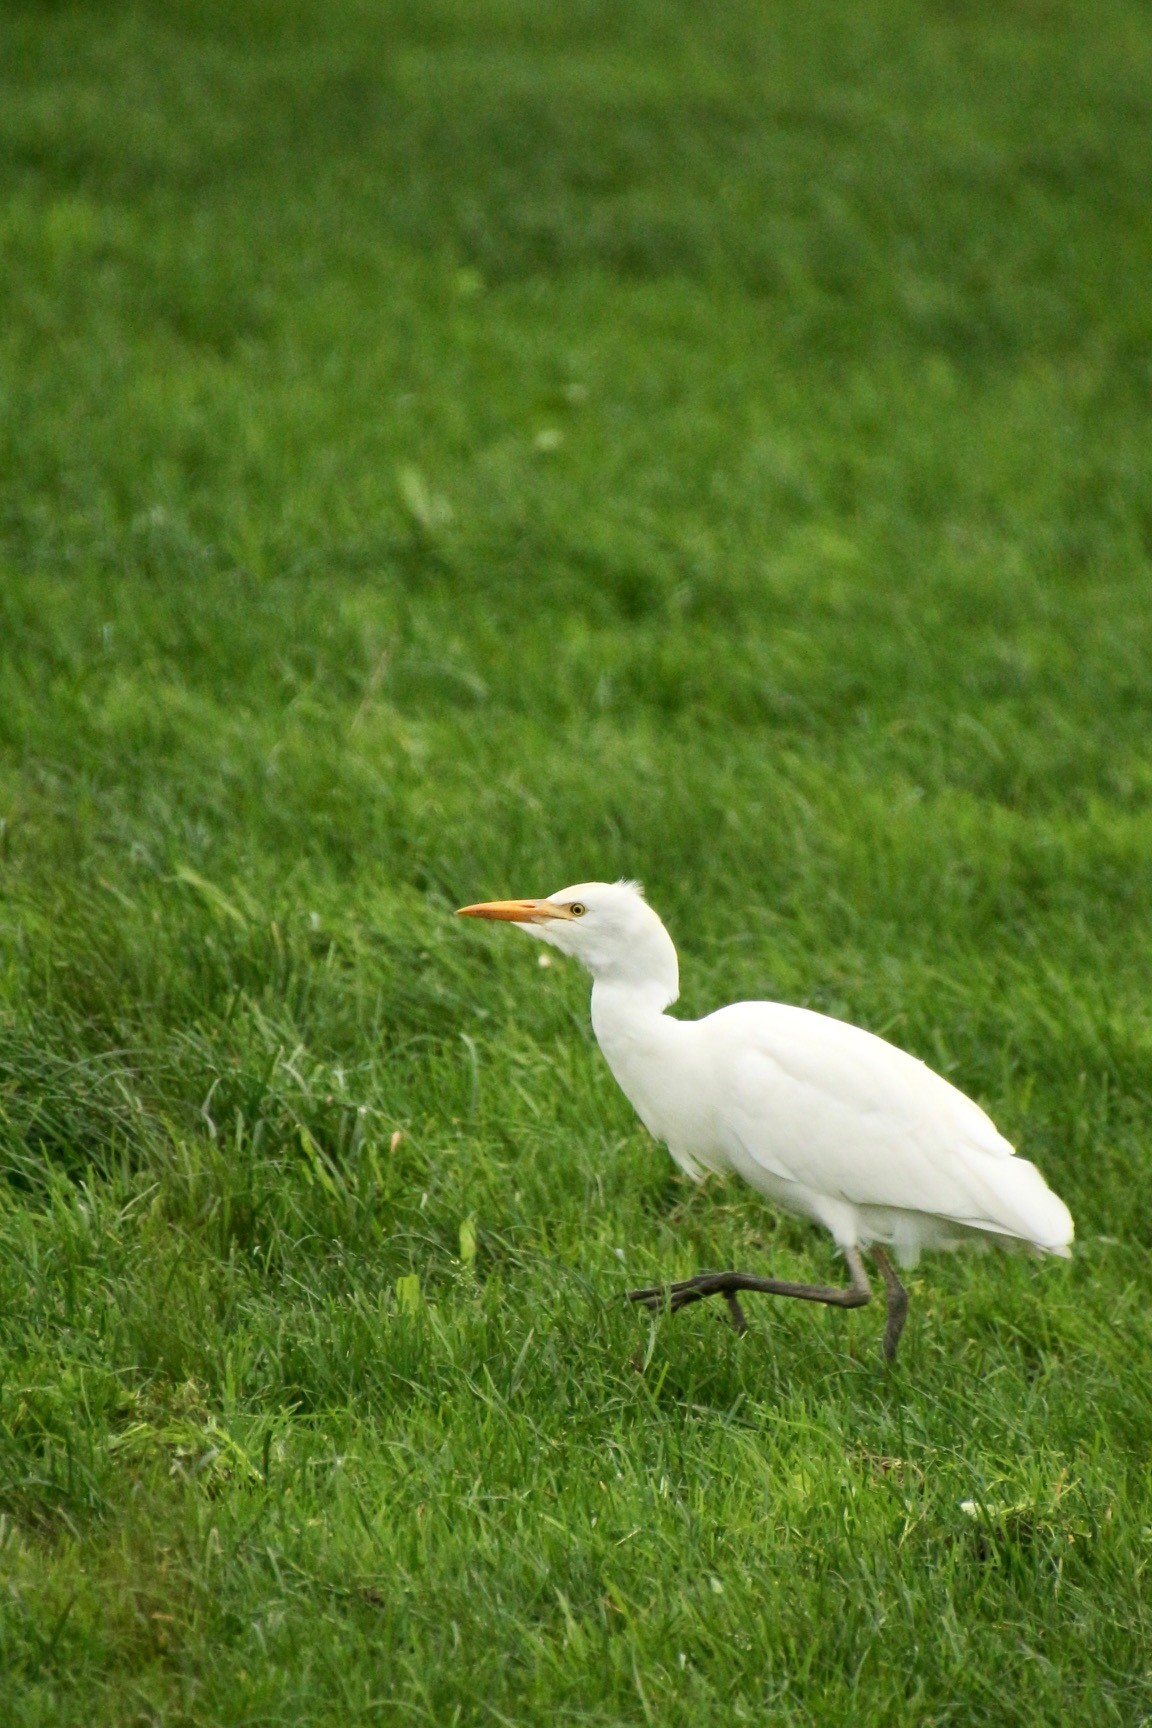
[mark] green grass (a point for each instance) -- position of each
(451, 451)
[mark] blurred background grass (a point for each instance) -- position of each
(456, 451)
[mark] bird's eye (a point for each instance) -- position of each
(577, 910)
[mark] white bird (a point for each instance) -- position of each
(826, 1120)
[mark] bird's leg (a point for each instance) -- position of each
(897, 1302)
(726, 1284)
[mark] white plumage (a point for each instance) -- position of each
(826, 1120)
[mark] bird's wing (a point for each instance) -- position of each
(827, 1105)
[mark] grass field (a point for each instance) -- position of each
(451, 451)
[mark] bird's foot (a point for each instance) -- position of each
(676, 1296)
(673, 1297)
(679, 1295)
(897, 1303)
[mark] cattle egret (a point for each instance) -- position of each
(824, 1119)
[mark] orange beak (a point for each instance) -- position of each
(515, 911)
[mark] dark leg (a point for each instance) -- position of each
(897, 1302)
(726, 1284)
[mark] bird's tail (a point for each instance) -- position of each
(1020, 1203)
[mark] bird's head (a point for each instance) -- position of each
(608, 926)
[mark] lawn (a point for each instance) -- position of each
(448, 452)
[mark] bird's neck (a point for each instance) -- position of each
(625, 1014)
(638, 1041)
(630, 990)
